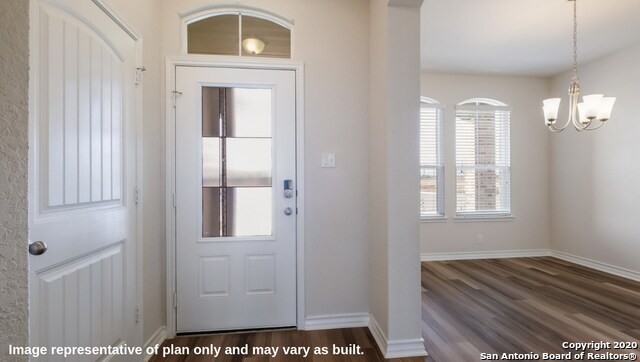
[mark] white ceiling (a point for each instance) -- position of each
(522, 37)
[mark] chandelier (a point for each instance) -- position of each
(582, 115)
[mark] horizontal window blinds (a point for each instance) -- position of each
(431, 161)
(483, 165)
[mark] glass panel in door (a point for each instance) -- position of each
(236, 162)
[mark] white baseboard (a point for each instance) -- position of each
(498, 254)
(378, 335)
(396, 349)
(593, 264)
(333, 321)
(157, 338)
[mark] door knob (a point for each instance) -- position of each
(37, 248)
(288, 211)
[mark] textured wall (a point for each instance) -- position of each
(14, 83)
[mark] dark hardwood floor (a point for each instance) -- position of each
(524, 305)
(282, 338)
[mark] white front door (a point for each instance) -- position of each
(82, 290)
(235, 198)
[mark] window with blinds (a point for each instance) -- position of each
(483, 165)
(431, 160)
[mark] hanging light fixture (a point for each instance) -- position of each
(253, 46)
(582, 115)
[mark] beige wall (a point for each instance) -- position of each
(529, 228)
(14, 125)
(331, 38)
(595, 175)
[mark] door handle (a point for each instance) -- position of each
(37, 248)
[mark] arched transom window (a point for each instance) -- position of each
(238, 32)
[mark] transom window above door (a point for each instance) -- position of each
(238, 33)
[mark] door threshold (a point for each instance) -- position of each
(235, 331)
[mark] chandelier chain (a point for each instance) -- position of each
(581, 114)
(575, 41)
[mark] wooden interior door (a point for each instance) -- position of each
(235, 198)
(82, 179)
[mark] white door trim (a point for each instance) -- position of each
(226, 62)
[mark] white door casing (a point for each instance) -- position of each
(82, 177)
(235, 282)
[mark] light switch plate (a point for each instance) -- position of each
(328, 159)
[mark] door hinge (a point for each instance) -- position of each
(174, 199)
(175, 95)
(137, 195)
(137, 314)
(175, 300)
(139, 71)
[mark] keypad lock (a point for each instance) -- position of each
(288, 189)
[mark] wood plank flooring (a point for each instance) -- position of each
(282, 338)
(524, 305)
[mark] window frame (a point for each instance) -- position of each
(439, 166)
(487, 105)
(201, 12)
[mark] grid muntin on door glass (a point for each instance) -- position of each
(236, 162)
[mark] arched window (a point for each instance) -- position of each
(237, 31)
(483, 102)
(483, 160)
(431, 160)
